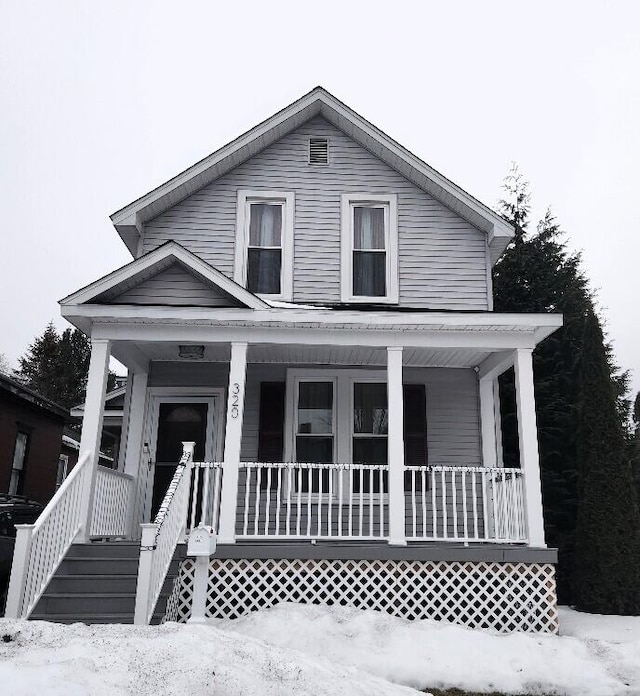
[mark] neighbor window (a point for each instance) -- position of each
(265, 243)
(61, 474)
(369, 249)
(16, 481)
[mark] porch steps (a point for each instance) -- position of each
(96, 583)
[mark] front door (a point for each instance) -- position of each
(177, 420)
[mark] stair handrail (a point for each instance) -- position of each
(160, 538)
(41, 547)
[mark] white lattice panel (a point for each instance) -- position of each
(505, 597)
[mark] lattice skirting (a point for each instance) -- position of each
(505, 597)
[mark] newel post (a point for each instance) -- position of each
(528, 440)
(395, 400)
(232, 443)
(143, 588)
(21, 555)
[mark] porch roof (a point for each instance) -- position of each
(141, 334)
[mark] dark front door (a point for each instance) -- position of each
(177, 423)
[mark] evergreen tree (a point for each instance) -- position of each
(57, 366)
(608, 532)
(538, 274)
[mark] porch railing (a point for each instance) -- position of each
(206, 483)
(110, 516)
(40, 547)
(160, 538)
(469, 504)
(317, 501)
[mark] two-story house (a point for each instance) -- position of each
(311, 305)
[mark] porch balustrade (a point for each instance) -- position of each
(112, 500)
(288, 500)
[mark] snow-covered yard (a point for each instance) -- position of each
(297, 649)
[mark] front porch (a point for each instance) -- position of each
(348, 476)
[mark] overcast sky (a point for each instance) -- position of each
(102, 101)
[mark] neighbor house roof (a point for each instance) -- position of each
(129, 220)
(17, 390)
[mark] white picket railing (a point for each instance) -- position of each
(313, 501)
(206, 483)
(41, 547)
(468, 504)
(112, 499)
(159, 540)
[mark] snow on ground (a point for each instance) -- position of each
(314, 650)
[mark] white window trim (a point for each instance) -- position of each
(245, 198)
(348, 201)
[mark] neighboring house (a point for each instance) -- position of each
(311, 305)
(32, 460)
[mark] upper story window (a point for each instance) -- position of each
(369, 248)
(264, 243)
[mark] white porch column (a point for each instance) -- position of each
(528, 440)
(92, 425)
(397, 534)
(133, 461)
(232, 443)
(488, 421)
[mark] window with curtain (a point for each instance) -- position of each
(369, 251)
(370, 429)
(264, 254)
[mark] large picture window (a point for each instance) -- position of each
(264, 243)
(369, 248)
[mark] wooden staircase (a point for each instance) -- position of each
(96, 583)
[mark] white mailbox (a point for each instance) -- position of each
(202, 542)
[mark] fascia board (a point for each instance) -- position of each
(544, 324)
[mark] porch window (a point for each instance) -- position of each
(370, 429)
(315, 431)
(369, 249)
(16, 481)
(264, 243)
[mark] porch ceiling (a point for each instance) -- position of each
(316, 355)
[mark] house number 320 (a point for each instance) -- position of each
(235, 400)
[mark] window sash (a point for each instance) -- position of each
(369, 245)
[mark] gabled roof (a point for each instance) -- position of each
(129, 220)
(136, 272)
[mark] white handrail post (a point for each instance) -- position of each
(528, 439)
(143, 588)
(232, 442)
(92, 426)
(397, 535)
(21, 554)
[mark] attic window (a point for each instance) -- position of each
(318, 151)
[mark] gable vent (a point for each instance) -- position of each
(318, 151)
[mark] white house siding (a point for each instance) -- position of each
(174, 286)
(442, 258)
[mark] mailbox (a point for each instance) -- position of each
(202, 542)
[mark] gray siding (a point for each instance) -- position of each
(174, 286)
(442, 258)
(453, 432)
